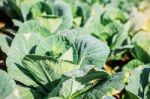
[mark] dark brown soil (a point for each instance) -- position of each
(2, 61)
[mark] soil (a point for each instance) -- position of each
(2, 61)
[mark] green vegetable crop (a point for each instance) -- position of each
(74, 49)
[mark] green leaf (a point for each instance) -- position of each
(39, 9)
(77, 21)
(121, 36)
(71, 34)
(129, 95)
(78, 81)
(7, 86)
(28, 93)
(86, 50)
(17, 22)
(25, 6)
(112, 86)
(69, 87)
(5, 43)
(22, 45)
(46, 69)
(83, 10)
(93, 25)
(108, 97)
(68, 55)
(113, 14)
(55, 98)
(139, 82)
(131, 65)
(142, 49)
(87, 73)
(90, 51)
(73, 5)
(33, 26)
(147, 91)
(13, 10)
(42, 13)
(53, 46)
(63, 10)
(1, 3)
(49, 23)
